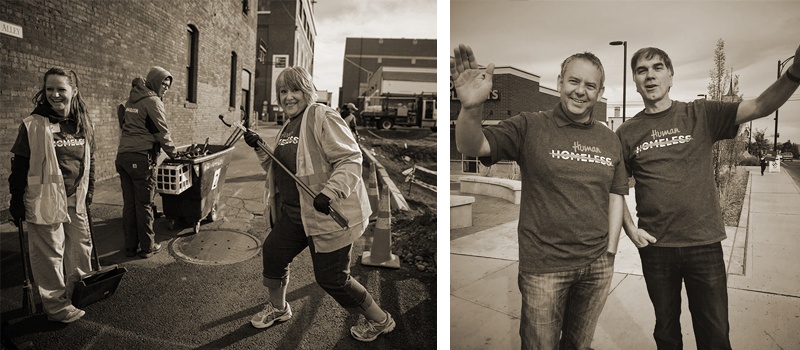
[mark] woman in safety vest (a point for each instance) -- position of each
(316, 146)
(51, 184)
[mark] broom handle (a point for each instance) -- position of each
(91, 236)
(27, 288)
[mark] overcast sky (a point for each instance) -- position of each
(340, 19)
(536, 36)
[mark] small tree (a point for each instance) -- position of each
(760, 145)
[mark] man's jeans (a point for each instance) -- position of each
(568, 302)
(702, 269)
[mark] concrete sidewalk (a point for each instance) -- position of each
(763, 280)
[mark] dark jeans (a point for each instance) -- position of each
(331, 270)
(702, 269)
(137, 177)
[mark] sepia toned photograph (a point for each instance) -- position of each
(623, 175)
(239, 174)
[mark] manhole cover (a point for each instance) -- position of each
(216, 247)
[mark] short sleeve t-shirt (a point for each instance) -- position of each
(568, 170)
(286, 153)
(669, 155)
(69, 143)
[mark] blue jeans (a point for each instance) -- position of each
(560, 309)
(287, 239)
(702, 269)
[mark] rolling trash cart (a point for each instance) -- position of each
(190, 184)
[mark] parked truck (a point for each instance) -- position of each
(402, 96)
(387, 110)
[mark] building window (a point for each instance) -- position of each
(234, 60)
(245, 7)
(262, 52)
(192, 43)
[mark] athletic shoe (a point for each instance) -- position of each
(370, 330)
(270, 315)
(71, 316)
(155, 251)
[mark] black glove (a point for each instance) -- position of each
(251, 138)
(89, 199)
(17, 209)
(322, 204)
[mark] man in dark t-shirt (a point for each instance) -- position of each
(667, 148)
(573, 181)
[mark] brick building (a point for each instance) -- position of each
(363, 57)
(513, 91)
(208, 46)
(286, 34)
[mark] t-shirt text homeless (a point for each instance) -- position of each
(663, 139)
(578, 154)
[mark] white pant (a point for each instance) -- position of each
(60, 254)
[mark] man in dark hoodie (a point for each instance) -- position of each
(144, 133)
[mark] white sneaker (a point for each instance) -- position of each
(369, 330)
(270, 315)
(71, 316)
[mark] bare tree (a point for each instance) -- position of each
(726, 152)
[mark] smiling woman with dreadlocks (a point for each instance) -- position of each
(51, 184)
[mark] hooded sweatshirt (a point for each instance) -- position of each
(144, 123)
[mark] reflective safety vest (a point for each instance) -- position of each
(45, 195)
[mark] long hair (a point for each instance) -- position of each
(77, 106)
(296, 78)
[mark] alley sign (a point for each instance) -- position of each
(11, 29)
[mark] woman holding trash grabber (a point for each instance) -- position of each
(51, 185)
(318, 148)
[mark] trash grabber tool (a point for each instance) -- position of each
(28, 301)
(335, 214)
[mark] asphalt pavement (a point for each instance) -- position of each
(761, 256)
(202, 289)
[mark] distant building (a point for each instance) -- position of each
(287, 31)
(207, 46)
(513, 91)
(364, 56)
(324, 97)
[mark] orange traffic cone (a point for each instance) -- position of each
(372, 191)
(380, 253)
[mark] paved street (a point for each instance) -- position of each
(763, 279)
(198, 295)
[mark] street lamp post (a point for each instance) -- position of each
(780, 69)
(624, 71)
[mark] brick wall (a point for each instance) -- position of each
(108, 43)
